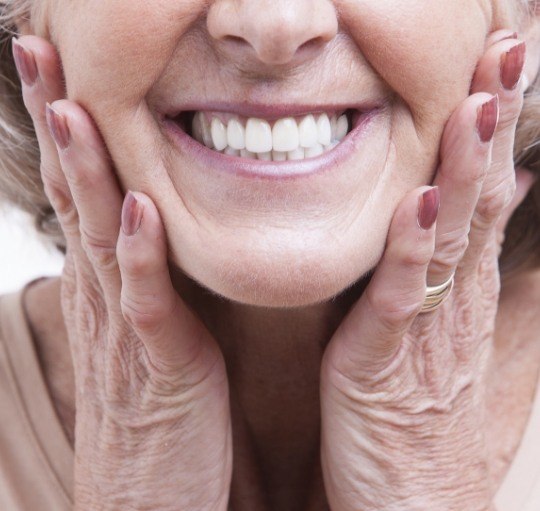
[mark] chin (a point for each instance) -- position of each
(285, 279)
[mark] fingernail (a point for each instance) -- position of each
(512, 63)
(57, 126)
(487, 119)
(428, 208)
(24, 62)
(132, 213)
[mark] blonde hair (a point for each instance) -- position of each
(21, 185)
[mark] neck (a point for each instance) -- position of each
(273, 358)
(268, 349)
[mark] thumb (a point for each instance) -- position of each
(371, 334)
(176, 340)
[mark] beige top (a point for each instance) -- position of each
(36, 459)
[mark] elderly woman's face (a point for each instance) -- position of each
(400, 66)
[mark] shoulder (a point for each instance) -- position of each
(40, 300)
(13, 321)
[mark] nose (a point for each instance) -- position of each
(273, 31)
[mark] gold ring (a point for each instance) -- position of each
(436, 295)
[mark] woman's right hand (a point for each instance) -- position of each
(153, 428)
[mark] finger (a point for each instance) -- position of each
(39, 67)
(175, 339)
(465, 155)
(500, 70)
(371, 334)
(94, 188)
(500, 35)
(525, 179)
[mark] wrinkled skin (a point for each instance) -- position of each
(402, 395)
(232, 235)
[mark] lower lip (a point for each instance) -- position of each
(246, 167)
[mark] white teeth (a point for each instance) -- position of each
(308, 131)
(285, 135)
(297, 154)
(219, 134)
(231, 151)
(342, 127)
(201, 130)
(315, 150)
(288, 139)
(197, 128)
(279, 156)
(324, 129)
(265, 156)
(236, 134)
(244, 153)
(333, 126)
(331, 146)
(258, 136)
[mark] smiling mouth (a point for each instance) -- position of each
(277, 139)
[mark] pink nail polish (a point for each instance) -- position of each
(132, 213)
(24, 62)
(487, 119)
(428, 208)
(58, 127)
(512, 63)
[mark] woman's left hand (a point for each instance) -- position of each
(403, 393)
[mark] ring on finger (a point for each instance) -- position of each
(436, 295)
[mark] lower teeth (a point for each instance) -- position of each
(297, 154)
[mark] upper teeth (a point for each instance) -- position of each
(288, 139)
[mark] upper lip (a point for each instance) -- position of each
(270, 111)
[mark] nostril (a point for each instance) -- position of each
(312, 44)
(235, 39)
(275, 29)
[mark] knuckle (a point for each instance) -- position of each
(144, 313)
(413, 254)
(450, 249)
(59, 199)
(493, 201)
(65, 211)
(415, 259)
(51, 173)
(475, 173)
(471, 175)
(508, 117)
(79, 177)
(92, 314)
(395, 311)
(101, 254)
(69, 220)
(137, 262)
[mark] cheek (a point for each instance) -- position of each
(113, 52)
(426, 50)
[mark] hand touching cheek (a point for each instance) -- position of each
(403, 392)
